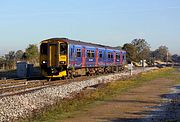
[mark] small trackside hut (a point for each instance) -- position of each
(62, 57)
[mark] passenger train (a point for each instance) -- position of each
(62, 57)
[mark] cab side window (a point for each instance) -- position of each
(43, 48)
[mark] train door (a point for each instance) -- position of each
(72, 57)
(101, 57)
(83, 57)
(124, 57)
(118, 55)
(97, 56)
(121, 56)
(53, 54)
(105, 57)
(114, 58)
(78, 61)
(109, 59)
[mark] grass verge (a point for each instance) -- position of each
(88, 98)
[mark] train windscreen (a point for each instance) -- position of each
(43, 48)
(63, 49)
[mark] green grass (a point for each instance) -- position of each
(86, 99)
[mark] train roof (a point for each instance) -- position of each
(81, 43)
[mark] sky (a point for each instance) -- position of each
(107, 22)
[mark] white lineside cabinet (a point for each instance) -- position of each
(21, 69)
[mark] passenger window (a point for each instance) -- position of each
(109, 55)
(90, 53)
(112, 55)
(78, 52)
(100, 54)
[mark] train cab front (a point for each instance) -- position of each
(53, 58)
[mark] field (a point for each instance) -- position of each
(132, 99)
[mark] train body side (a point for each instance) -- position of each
(80, 57)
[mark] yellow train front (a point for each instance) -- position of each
(53, 58)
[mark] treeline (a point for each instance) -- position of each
(139, 49)
(30, 55)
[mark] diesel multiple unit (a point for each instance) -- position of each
(62, 57)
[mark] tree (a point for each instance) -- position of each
(142, 49)
(152, 58)
(19, 55)
(10, 59)
(144, 54)
(2, 62)
(162, 53)
(130, 52)
(32, 53)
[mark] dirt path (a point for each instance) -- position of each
(138, 104)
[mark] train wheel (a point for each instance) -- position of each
(64, 78)
(49, 79)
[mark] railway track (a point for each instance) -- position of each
(13, 87)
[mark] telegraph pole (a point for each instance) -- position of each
(167, 58)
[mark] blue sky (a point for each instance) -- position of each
(108, 22)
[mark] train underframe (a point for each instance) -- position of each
(63, 72)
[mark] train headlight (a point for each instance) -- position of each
(62, 62)
(44, 62)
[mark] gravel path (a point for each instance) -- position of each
(170, 109)
(13, 107)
